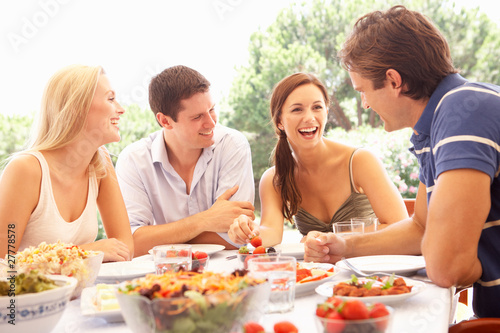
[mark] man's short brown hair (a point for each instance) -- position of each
(403, 40)
(170, 87)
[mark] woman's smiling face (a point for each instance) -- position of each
(303, 116)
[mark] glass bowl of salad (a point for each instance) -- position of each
(189, 301)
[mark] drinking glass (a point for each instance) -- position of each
(345, 229)
(172, 258)
(281, 274)
(371, 223)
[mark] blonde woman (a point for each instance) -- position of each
(51, 190)
(315, 181)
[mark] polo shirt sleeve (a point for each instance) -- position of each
(466, 131)
(139, 209)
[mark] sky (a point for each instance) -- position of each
(133, 40)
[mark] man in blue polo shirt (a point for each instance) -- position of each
(401, 65)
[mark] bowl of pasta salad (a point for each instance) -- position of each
(62, 259)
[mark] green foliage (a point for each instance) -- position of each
(135, 124)
(306, 37)
(391, 148)
(14, 131)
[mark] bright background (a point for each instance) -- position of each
(133, 40)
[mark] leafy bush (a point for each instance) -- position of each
(391, 148)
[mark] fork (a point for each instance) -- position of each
(354, 268)
(358, 272)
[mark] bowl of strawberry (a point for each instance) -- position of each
(199, 261)
(340, 316)
(245, 254)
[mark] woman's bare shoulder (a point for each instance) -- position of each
(25, 166)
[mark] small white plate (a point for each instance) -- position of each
(207, 248)
(326, 289)
(291, 249)
(306, 288)
(397, 264)
(89, 309)
(113, 272)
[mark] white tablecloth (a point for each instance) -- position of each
(426, 312)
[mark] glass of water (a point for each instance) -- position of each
(345, 229)
(172, 258)
(281, 275)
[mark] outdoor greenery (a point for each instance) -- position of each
(306, 37)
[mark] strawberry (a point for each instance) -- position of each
(285, 327)
(379, 310)
(256, 241)
(336, 323)
(243, 250)
(253, 327)
(259, 250)
(336, 301)
(353, 310)
(200, 255)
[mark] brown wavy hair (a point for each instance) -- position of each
(284, 176)
(403, 40)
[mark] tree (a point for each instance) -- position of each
(307, 36)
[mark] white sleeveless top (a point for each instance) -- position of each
(46, 223)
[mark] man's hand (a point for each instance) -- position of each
(221, 215)
(324, 247)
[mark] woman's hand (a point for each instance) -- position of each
(242, 229)
(114, 249)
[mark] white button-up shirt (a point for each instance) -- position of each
(155, 194)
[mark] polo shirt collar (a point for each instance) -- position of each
(424, 123)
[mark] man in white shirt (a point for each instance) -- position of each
(187, 182)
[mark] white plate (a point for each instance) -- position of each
(89, 309)
(113, 272)
(207, 248)
(291, 249)
(302, 289)
(326, 289)
(397, 264)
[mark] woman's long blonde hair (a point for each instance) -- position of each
(65, 105)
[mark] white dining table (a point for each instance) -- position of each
(428, 311)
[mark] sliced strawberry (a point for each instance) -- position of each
(253, 327)
(259, 250)
(285, 327)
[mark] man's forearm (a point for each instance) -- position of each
(208, 237)
(182, 231)
(402, 237)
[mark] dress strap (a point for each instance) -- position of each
(353, 187)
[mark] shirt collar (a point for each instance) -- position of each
(423, 125)
(159, 151)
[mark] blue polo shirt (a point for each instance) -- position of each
(460, 129)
